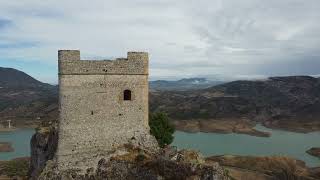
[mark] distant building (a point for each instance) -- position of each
(103, 104)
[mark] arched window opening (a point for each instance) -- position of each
(127, 95)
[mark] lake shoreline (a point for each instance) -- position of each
(2, 129)
(220, 126)
(227, 126)
(280, 143)
(18, 127)
(20, 142)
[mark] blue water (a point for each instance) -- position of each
(280, 143)
(20, 140)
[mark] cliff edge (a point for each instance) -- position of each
(127, 161)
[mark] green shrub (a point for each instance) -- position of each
(161, 128)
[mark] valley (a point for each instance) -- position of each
(211, 119)
(288, 103)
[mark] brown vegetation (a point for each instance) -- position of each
(275, 167)
(15, 169)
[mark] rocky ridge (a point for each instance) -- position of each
(125, 162)
(132, 162)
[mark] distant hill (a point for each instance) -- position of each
(183, 84)
(278, 102)
(10, 78)
(25, 98)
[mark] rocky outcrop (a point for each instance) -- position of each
(314, 151)
(135, 163)
(128, 161)
(43, 147)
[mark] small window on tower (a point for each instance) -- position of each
(127, 95)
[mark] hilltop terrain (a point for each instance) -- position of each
(290, 103)
(24, 99)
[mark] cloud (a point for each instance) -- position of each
(197, 38)
(17, 45)
(4, 23)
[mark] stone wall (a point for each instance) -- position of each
(136, 63)
(94, 117)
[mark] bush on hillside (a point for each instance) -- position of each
(161, 128)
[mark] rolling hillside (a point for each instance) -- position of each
(23, 98)
(291, 103)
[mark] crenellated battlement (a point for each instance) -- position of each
(70, 63)
(103, 104)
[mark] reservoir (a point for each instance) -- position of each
(20, 140)
(281, 143)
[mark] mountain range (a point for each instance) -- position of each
(182, 84)
(285, 102)
(291, 102)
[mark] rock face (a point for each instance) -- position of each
(129, 161)
(314, 152)
(43, 147)
(6, 147)
(137, 164)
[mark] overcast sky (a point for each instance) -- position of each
(225, 39)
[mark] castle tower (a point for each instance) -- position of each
(103, 104)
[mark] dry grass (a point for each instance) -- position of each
(276, 166)
(133, 154)
(16, 167)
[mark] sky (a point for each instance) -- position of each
(218, 39)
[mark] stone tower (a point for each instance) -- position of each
(103, 104)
